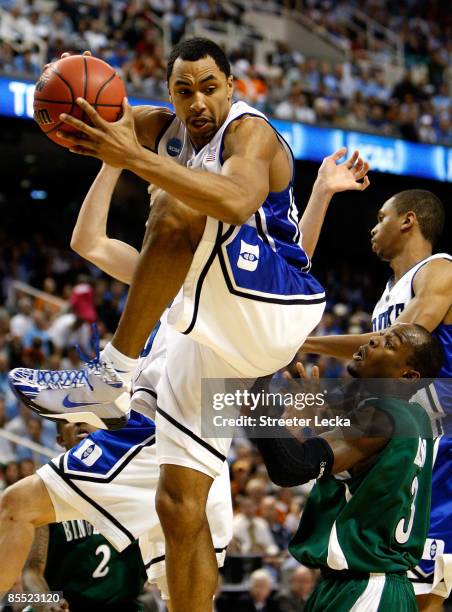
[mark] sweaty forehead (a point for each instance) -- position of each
(193, 72)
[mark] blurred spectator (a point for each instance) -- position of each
(240, 473)
(296, 107)
(6, 449)
(268, 510)
(11, 473)
(259, 598)
(252, 534)
(22, 322)
(36, 339)
(301, 585)
(255, 490)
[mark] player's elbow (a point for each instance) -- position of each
(79, 245)
(237, 211)
(285, 480)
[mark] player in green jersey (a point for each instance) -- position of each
(74, 558)
(365, 522)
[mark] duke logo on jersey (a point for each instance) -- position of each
(88, 452)
(386, 318)
(249, 256)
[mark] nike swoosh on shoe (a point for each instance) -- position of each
(67, 403)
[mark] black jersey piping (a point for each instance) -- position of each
(95, 505)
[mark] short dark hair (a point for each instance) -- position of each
(195, 49)
(427, 355)
(428, 208)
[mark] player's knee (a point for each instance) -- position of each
(171, 220)
(26, 501)
(12, 503)
(180, 515)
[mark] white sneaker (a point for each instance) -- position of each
(94, 394)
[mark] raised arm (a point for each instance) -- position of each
(89, 238)
(332, 178)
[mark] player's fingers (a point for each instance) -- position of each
(315, 372)
(300, 369)
(127, 114)
(94, 116)
(363, 171)
(287, 375)
(339, 153)
(87, 53)
(65, 54)
(365, 184)
(81, 150)
(351, 160)
(76, 138)
(81, 126)
(357, 168)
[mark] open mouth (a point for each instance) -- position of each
(200, 122)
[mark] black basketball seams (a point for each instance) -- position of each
(85, 84)
(68, 86)
(67, 102)
(100, 90)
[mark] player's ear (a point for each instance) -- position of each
(169, 92)
(230, 86)
(411, 374)
(408, 220)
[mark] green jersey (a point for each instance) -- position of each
(89, 571)
(376, 521)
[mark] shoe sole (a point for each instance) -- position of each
(76, 417)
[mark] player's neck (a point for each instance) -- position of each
(411, 255)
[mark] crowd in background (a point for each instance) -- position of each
(354, 94)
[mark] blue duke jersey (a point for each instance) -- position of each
(276, 221)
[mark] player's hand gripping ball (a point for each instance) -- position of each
(72, 77)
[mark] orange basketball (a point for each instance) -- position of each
(76, 76)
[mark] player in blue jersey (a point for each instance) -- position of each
(224, 243)
(420, 291)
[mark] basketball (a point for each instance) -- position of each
(69, 78)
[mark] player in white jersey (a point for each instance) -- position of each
(227, 230)
(420, 291)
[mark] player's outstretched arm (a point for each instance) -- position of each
(332, 178)
(89, 238)
(341, 347)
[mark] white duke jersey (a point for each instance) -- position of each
(276, 221)
(393, 301)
